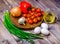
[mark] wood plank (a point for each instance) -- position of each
(55, 32)
(51, 33)
(45, 40)
(5, 34)
(35, 4)
(52, 6)
(6, 7)
(56, 2)
(2, 40)
(54, 37)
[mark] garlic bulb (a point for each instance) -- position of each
(45, 31)
(37, 30)
(44, 25)
(22, 20)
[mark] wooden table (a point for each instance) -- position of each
(53, 5)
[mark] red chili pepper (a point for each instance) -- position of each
(24, 6)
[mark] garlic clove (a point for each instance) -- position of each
(37, 30)
(44, 25)
(22, 20)
(45, 32)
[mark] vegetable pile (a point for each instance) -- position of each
(18, 32)
(27, 13)
(33, 16)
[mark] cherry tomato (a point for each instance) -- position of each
(32, 17)
(30, 21)
(28, 15)
(42, 12)
(38, 10)
(32, 13)
(33, 9)
(38, 14)
(27, 19)
(38, 18)
(29, 11)
(35, 15)
(25, 15)
(35, 20)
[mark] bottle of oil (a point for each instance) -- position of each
(49, 17)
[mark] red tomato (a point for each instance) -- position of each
(42, 12)
(30, 21)
(35, 20)
(38, 10)
(35, 15)
(38, 14)
(32, 17)
(38, 18)
(25, 15)
(33, 9)
(28, 15)
(29, 11)
(32, 13)
(27, 19)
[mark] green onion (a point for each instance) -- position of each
(18, 32)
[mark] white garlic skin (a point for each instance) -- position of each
(45, 31)
(44, 25)
(21, 20)
(37, 30)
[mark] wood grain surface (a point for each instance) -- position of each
(53, 5)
